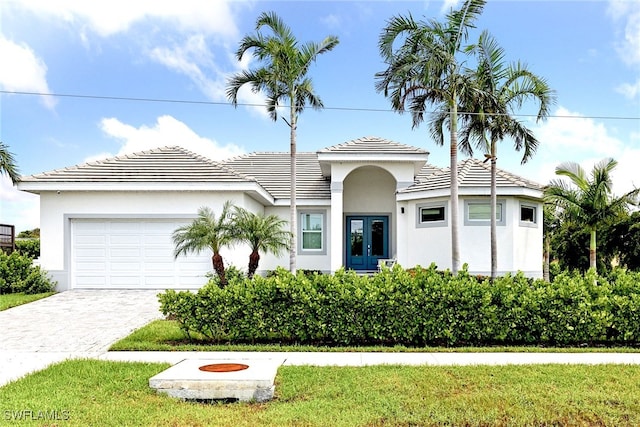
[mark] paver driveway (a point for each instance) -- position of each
(69, 324)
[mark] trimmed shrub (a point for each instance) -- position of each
(28, 247)
(421, 306)
(18, 274)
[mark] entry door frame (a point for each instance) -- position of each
(371, 249)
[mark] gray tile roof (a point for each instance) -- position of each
(471, 173)
(373, 144)
(168, 164)
(270, 170)
(273, 171)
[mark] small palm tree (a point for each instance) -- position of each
(261, 233)
(8, 164)
(423, 69)
(283, 78)
(589, 201)
(206, 232)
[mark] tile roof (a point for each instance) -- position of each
(273, 170)
(167, 164)
(471, 173)
(373, 144)
(270, 170)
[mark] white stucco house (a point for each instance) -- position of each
(108, 224)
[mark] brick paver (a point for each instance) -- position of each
(69, 324)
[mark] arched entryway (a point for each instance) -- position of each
(369, 206)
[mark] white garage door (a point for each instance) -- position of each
(132, 254)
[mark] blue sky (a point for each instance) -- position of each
(589, 51)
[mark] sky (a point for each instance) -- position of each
(138, 74)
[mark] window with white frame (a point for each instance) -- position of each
(479, 212)
(311, 230)
(431, 215)
(528, 215)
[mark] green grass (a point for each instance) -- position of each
(13, 300)
(84, 392)
(166, 335)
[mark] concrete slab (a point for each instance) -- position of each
(186, 380)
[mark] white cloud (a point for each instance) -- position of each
(18, 207)
(107, 18)
(630, 90)
(23, 71)
(626, 16)
(570, 137)
(569, 133)
(167, 131)
(190, 59)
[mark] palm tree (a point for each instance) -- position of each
(8, 163)
(550, 225)
(206, 232)
(500, 91)
(283, 78)
(261, 233)
(424, 70)
(589, 201)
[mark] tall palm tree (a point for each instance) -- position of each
(424, 70)
(282, 77)
(206, 232)
(500, 91)
(589, 201)
(261, 233)
(8, 163)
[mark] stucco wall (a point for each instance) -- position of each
(56, 210)
(519, 246)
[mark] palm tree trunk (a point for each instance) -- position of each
(494, 207)
(453, 152)
(546, 256)
(254, 260)
(293, 124)
(592, 250)
(218, 267)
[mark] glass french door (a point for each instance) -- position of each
(367, 241)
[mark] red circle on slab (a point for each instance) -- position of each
(224, 367)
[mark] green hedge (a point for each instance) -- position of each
(18, 274)
(414, 307)
(28, 247)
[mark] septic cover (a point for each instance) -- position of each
(224, 367)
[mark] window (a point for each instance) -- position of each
(431, 215)
(479, 212)
(311, 230)
(528, 215)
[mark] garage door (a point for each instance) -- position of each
(132, 254)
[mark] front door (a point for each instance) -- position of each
(367, 241)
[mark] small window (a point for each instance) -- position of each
(432, 214)
(527, 214)
(482, 212)
(478, 212)
(312, 226)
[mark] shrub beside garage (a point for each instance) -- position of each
(415, 307)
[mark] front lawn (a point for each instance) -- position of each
(85, 392)
(166, 335)
(13, 300)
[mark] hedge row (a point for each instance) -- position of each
(18, 274)
(413, 307)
